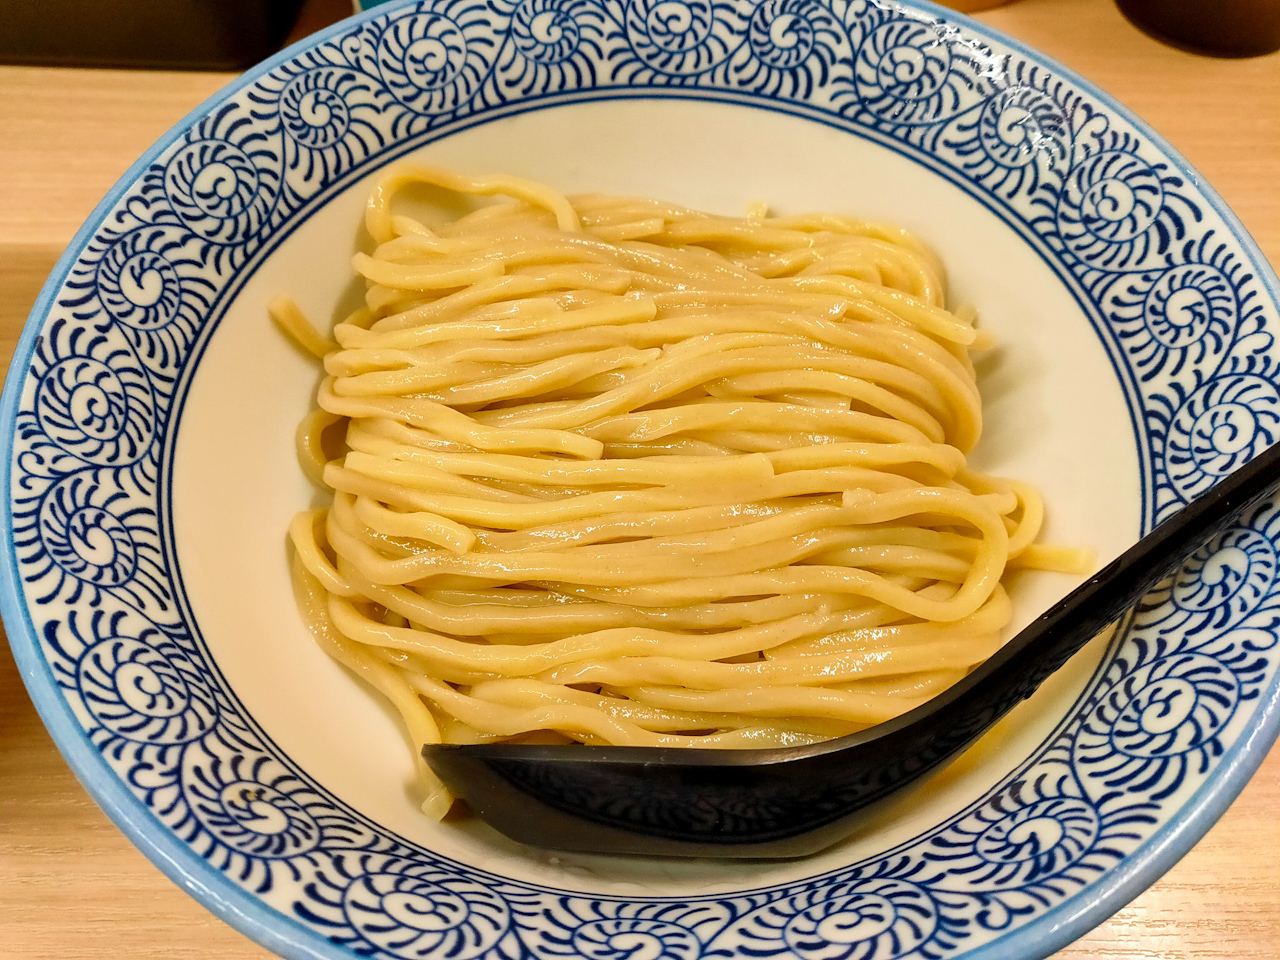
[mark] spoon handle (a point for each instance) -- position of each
(791, 801)
(1070, 623)
(892, 754)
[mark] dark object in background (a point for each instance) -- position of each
(1219, 28)
(173, 34)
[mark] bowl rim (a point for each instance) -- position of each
(284, 935)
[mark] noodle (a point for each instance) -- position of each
(615, 471)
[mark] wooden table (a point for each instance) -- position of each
(71, 886)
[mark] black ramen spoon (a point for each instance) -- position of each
(791, 801)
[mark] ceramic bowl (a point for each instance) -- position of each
(150, 410)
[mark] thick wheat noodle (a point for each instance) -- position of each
(514, 660)
(490, 512)
(590, 723)
(391, 683)
(613, 470)
(818, 669)
(526, 692)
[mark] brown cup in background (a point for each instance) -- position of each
(1219, 28)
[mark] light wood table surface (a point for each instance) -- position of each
(71, 885)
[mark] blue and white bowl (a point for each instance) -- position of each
(150, 409)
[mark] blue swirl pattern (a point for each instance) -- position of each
(1179, 315)
(146, 692)
(623, 939)
(684, 39)
(435, 62)
(215, 190)
(99, 414)
(1219, 428)
(545, 31)
(794, 48)
(1176, 299)
(874, 918)
(557, 45)
(313, 109)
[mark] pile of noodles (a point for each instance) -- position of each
(610, 470)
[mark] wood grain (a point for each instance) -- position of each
(72, 886)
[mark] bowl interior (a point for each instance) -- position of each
(1054, 408)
